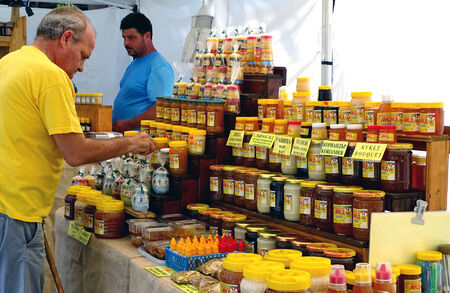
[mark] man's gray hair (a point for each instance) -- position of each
(61, 19)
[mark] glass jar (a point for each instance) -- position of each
(333, 168)
(268, 125)
(232, 273)
(430, 261)
(351, 169)
(343, 209)
(89, 211)
(176, 133)
(251, 237)
(70, 199)
(240, 123)
(197, 141)
(372, 133)
(331, 113)
(371, 172)
(357, 106)
(300, 244)
(319, 131)
(229, 223)
(337, 132)
(307, 202)
(263, 193)
(371, 110)
(178, 157)
(280, 126)
(175, 111)
(201, 114)
(410, 278)
(277, 196)
(299, 99)
(284, 256)
(215, 117)
(302, 167)
(396, 168)
(239, 186)
(319, 269)
(288, 165)
(184, 112)
(159, 116)
(251, 124)
(342, 256)
(410, 118)
(239, 230)
(228, 183)
(292, 199)
(323, 207)
(354, 132)
(365, 203)
(262, 158)
(251, 183)
(167, 110)
(274, 162)
(255, 275)
(266, 241)
(262, 103)
(109, 220)
(192, 114)
(249, 156)
(387, 134)
(317, 249)
(215, 221)
(283, 240)
(192, 209)
(289, 281)
(80, 204)
(238, 155)
(287, 109)
(294, 128)
(160, 143)
(306, 130)
(345, 112)
(316, 162)
(271, 108)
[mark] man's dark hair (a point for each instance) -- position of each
(138, 21)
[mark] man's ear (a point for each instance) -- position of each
(148, 35)
(66, 37)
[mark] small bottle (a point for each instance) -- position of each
(383, 278)
(363, 279)
(384, 116)
(88, 125)
(337, 280)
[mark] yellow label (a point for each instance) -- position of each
(384, 119)
(427, 122)
(228, 186)
(347, 166)
(330, 117)
(297, 112)
(184, 115)
(302, 162)
(278, 129)
(237, 152)
(369, 118)
(285, 161)
(305, 205)
(342, 213)
(304, 131)
(273, 197)
(334, 136)
(261, 153)
(368, 169)
(250, 191)
(262, 196)
(67, 210)
(159, 112)
(174, 161)
(79, 233)
(235, 138)
(309, 115)
(260, 113)
(248, 151)
(300, 147)
(369, 151)
(265, 128)
(386, 137)
(288, 202)
(351, 136)
(316, 163)
(410, 122)
(372, 137)
(317, 116)
(214, 184)
(357, 114)
(413, 286)
(397, 120)
(319, 133)
(74, 229)
(99, 227)
(320, 209)
(273, 158)
(263, 140)
(167, 113)
(287, 113)
(239, 188)
(271, 112)
(88, 220)
(211, 119)
(334, 148)
(201, 117)
(283, 145)
(331, 165)
(195, 145)
(160, 271)
(175, 115)
(344, 115)
(361, 218)
(388, 170)
(192, 116)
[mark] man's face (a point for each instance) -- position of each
(134, 42)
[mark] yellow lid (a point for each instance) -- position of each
(289, 280)
(285, 256)
(256, 228)
(168, 126)
(74, 189)
(268, 120)
(301, 94)
(230, 168)
(131, 133)
(110, 206)
(161, 140)
(369, 193)
(310, 184)
(397, 105)
(429, 255)
(347, 189)
(432, 105)
(177, 128)
(361, 95)
(185, 129)
(313, 103)
(96, 94)
(237, 261)
(278, 178)
(408, 269)
(241, 119)
(83, 195)
(324, 87)
(234, 218)
(305, 124)
(372, 104)
(281, 121)
(302, 79)
(344, 104)
(316, 266)
(272, 101)
(400, 146)
(287, 102)
(350, 277)
(320, 246)
(252, 119)
(93, 200)
(178, 144)
(197, 132)
(363, 273)
(261, 102)
(260, 270)
(331, 103)
(271, 233)
(145, 122)
(294, 181)
(266, 175)
(197, 206)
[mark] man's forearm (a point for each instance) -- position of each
(150, 114)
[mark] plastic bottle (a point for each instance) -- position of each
(282, 96)
(337, 280)
(383, 278)
(384, 116)
(363, 279)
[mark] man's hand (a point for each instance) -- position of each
(120, 126)
(143, 144)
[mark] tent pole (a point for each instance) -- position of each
(327, 55)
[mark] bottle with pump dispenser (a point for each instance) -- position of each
(383, 278)
(363, 279)
(337, 280)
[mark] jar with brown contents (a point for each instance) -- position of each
(307, 202)
(201, 115)
(317, 249)
(216, 182)
(365, 202)
(351, 169)
(323, 207)
(167, 110)
(239, 187)
(215, 117)
(396, 168)
(184, 113)
(175, 111)
(251, 182)
(283, 240)
(249, 159)
(228, 183)
(343, 209)
(110, 220)
(229, 223)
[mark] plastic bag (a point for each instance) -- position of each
(160, 178)
(140, 199)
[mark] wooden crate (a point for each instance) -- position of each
(100, 116)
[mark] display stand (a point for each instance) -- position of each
(18, 37)
(99, 115)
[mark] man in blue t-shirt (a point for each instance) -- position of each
(147, 77)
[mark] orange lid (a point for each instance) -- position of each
(234, 218)
(320, 247)
(369, 193)
(339, 252)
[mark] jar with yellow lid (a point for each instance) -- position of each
(178, 157)
(292, 199)
(319, 131)
(331, 113)
(197, 141)
(91, 207)
(280, 126)
(160, 143)
(81, 203)
(251, 124)
(277, 196)
(145, 126)
(298, 105)
(109, 219)
(262, 103)
(255, 275)
(271, 108)
(229, 223)
(309, 111)
(318, 267)
(371, 110)
(263, 192)
(307, 201)
(251, 237)
(431, 118)
(396, 168)
(430, 261)
(306, 130)
(410, 118)
(343, 209)
(317, 249)
(357, 106)
(324, 93)
(345, 112)
(70, 199)
(285, 256)
(239, 230)
(287, 109)
(365, 202)
(291, 281)
(302, 84)
(350, 279)
(192, 209)
(232, 273)
(240, 123)
(266, 240)
(160, 129)
(176, 132)
(410, 279)
(341, 256)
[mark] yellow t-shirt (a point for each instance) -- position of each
(36, 101)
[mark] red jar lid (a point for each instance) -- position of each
(376, 127)
(294, 123)
(386, 127)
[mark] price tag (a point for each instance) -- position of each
(283, 145)
(300, 147)
(79, 233)
(74, 230)
(369, 151)
(334, 148)
(235, 138)
(84, 236)
(160, 271)
(263, 140)
(188, 288)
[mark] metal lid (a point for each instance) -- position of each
(301, 242)
(327, 186)
(320, 247)
(256, 228)
(369, 193)
(278, 178)
(286, 237)
(270, 233)
(294, 181)
(245, 223)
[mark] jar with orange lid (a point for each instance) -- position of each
(240, 123)
(232, 273)
(351, 169)
(229, 223)
(178, 157)
(175, 111)
(251, 124)
(396, 168)
(298, 104)
(372, 133)
(262, 104)
(228, 183)
(280, 126)
(271, 108)
(251, 184)
(343, 209)
(342, 256)
(387, 134)
(145, 126)
(109, 219)
(239, 186)
(216, 183)
(357, 106)
(159, 116)
(307, 192)
(317, 249)
(431, 118)
(215, 221)
(215, 117)
(248, 151)
(192, 209)
(268, 125)
(167, 110)
(397, 116)
(371, 110)
(354, 133)
(287, 109)
(365, 202)
(294, 128)
(201, 115)
(337, 132)
(70, 199)
(289, 281)
(323, 206)
(410, 118)
(345, 112)
(319, 131)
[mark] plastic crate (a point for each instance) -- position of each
(180, 262)
(403, 202)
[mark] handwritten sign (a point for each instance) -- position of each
(301, 147)
(188, 288)
(283, 145)
(334, 148)
(160, 271)
(369, 151)
(262, 140)
(78, 233)
(235, 138)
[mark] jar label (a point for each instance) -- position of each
(288, 202)
(250, 127)
(309, 115)
(237, 152)
(351, 136)
(331, 165)
(317, 116)
(192, 116)
(201, 117)
(357, 114)
(318, 133)
(261, 153)
(67, 210)
(272, 198)
(384, 119)
(297, 112)
(227, 232)
(184, 115)
(262, 196)
(175, 115)
(211, 119)
(413, 286)
(285, 160)
(272, 157)
(410, 122)
(320, 209)
(360, 218)
(250, 247)
(159, 112)
(265, 128)
(167, 113)
(305, 205)
(260, 112)
(344, 115)
(302, 162)
(99, 227)
(330, 117)
(287, 113)
(250, 191)
(315, 163)
(79, 214)
(369, 118)
(214, 184)
(427, 122)
(372, 137)
(368, 169)
(334, 136)
(239, 126)
(89, 221)
(397, 118)
(347, 166)
(214, 230)
(232, 108)
(293, 132)
(262, 251)
(386, 137)
(174, 161)
(239, 188)
(388, 170)
(195, 145)
(228, 186)
(271, 112)
(304, 131)
(248, 150)
(278, 129)
(342, 213)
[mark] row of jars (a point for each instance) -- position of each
(204, 92)
(96, 213)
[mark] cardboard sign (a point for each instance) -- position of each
(283, 145)
(78, 233)
(334, 148)
(369, 151)
(160, 271)
(188, 288)
(263, 140)
(301, 147)
(235, 138)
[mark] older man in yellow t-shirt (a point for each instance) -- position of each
(38, 129)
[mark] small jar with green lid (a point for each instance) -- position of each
(263, 192)
(289, 281)
(410, 279)
(285, 256)
(251, 236)
(266, 240)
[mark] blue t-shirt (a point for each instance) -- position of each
(145, 79)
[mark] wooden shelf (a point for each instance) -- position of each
(5, 41)
(139, 215)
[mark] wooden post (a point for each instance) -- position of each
(15, 14)
(437, 175)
